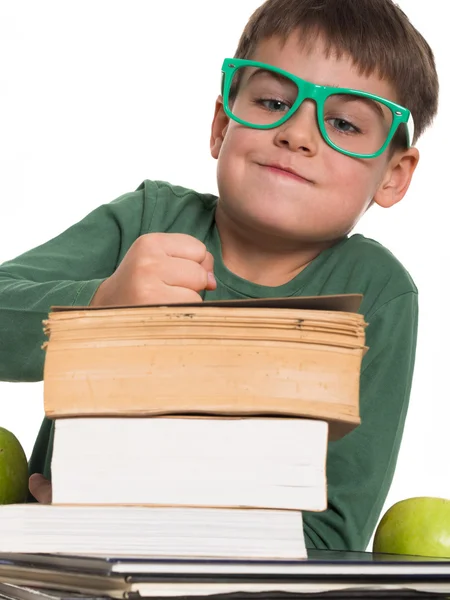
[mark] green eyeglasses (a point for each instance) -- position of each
(352, 122)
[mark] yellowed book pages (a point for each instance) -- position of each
(216, 360)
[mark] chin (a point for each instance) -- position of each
(275, 214)
(270, 223)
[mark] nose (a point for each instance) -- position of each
(300, 133)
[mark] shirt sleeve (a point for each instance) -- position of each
(361, 465)
(65, 271)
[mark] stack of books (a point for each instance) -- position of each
(325, 575)
(192, 431)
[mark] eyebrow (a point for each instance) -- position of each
(273, 74)
(371, 103)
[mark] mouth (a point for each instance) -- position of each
(285, 171)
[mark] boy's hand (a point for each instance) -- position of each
(159, 268)
(41, 488)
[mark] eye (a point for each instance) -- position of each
(273, 105)
(343, 126)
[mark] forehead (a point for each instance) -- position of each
(311, 61)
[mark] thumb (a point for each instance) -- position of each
(208, 262)
(208, 265)
(41, 488)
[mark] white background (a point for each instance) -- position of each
(98, 95)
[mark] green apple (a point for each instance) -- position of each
(419, 526)
(13, 469)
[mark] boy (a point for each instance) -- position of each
(312, 127)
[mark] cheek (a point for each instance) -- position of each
(236, 146)
(240, 141)
(353, 179)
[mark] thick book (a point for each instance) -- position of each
(296, 357)
(327, 574)
(170, 532)
(213, 462)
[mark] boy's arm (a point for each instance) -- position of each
(67, 270)
(361, 465)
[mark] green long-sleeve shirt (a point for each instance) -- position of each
(68, 269)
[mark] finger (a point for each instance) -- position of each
(212, 283)
(208, 265)
(184, 273)
(208, 262)
(40, 488)
(180, 245)
(180, 295)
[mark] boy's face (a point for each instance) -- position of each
(332, 190)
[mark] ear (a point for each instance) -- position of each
(397, 177)
(218, 128)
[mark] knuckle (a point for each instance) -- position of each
(197, 245)
(150, 242)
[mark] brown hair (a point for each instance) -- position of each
(376, 34)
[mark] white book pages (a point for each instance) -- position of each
(266, 463)
(152, 532)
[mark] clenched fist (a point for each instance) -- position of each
(159, 268)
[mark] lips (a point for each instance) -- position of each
(286, 170)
